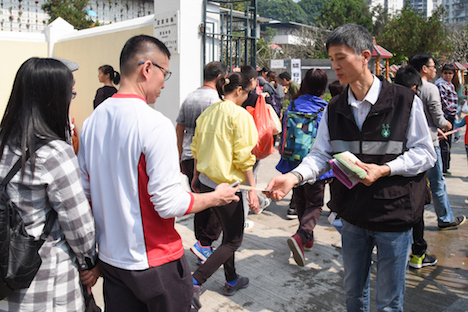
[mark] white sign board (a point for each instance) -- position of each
(166, 29)
(276, 63)
(296, 74)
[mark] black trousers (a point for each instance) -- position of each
(205, 223)
(168, 288)
(231, 217)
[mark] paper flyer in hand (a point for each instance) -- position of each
(346, 170)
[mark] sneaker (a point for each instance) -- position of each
(418, 262)
(248, 224)
(291, 215)
(466, 201)
(297, 248)
(456, 140)
(196, 304)
(202, 252)
(447, 173)
(456, 223)
(242, 282)
(264, 203)
(309, 245)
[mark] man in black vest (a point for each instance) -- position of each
(384, 126)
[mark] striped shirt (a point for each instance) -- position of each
(448, 97)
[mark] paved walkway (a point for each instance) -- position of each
(278, 284)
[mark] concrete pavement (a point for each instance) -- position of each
(278, 284)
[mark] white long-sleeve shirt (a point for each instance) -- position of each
(419, 157)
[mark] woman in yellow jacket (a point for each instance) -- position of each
(225, 135)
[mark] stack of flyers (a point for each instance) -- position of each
(346, 170)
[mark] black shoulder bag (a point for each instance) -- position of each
(19, 257)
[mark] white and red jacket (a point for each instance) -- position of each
(130, 172)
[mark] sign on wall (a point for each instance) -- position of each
(296, 74)
(277, 64)
(166, 29)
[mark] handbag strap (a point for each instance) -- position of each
(51, 215)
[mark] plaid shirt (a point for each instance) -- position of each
(448, 97)
(55, 185)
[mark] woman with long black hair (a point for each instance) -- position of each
(36, 122)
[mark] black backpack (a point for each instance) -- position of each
(19, 257)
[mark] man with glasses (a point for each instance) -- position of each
(130, 173)
(429, 94)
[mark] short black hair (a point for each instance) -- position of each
(335, 88)
(408, 76)
(249, 71)
(214, 69)
(285, 75)
(139, 45)
(419, 60)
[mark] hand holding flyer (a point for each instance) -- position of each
(346, 170)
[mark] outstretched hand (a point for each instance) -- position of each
(280, 186)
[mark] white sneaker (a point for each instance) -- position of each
(466, 201)
(263, 203)
(248, 224)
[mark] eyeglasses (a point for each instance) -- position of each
(167, 73)
(431, 66)
(73, 94)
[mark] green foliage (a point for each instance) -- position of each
(409, 33)
(70, 10)
(381, 19)
(338, 12)
(282, 10)
(313, 8)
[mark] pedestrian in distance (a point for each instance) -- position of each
(108, 76)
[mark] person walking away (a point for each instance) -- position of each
(205, 223)
(224, 138)
(308, 198)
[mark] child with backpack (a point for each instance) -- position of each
(300, 124)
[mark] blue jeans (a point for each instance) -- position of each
(393, 250)
(439, 191)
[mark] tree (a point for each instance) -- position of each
(312, 8)
(458, 40)
(381, 18)
(339, 12)
(282, 10)
(409, 33)
(70, 10)
(311, 43)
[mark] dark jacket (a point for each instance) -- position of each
(391, 204)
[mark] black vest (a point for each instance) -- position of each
(391, 204)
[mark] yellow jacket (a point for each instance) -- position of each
(224, 138)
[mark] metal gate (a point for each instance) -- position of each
(230, 36)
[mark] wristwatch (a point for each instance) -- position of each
(298, 176)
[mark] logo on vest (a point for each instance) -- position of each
(385, 130)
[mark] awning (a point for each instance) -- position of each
(459, 66)
(394, 68)
(378, 51)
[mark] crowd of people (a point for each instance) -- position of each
(116, 214)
